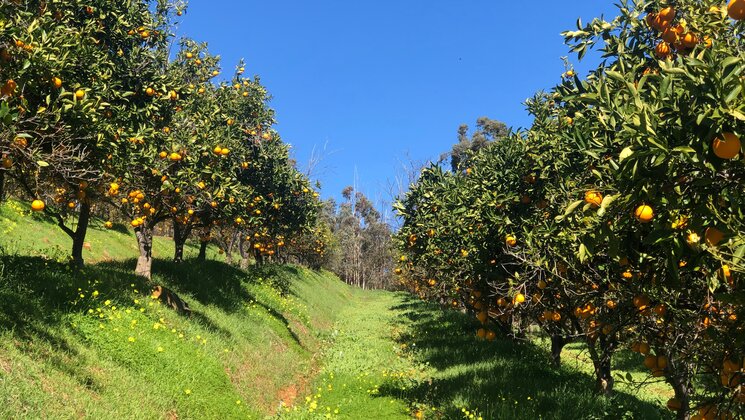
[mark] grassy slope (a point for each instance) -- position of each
(94, 344)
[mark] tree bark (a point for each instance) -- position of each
(2, 186)
(78, 236)
(202, 250)
(144, 236)
(180, 234)
(601, 361)
(682, 393)
(557, 345)
(244, 253)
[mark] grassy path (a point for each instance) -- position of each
(391, 356)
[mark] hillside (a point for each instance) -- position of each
(273, 341)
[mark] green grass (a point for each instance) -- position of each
(93, 343)
(275, 341)
(25, 232)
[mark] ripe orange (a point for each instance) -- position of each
(37, 205)
(79, 94)
(644, 348)
(163, 155)
(7, 163)
(519, 298)
(713, 236)
(689, 40)
(217, 150)
(736, 9)
(481, 333)
(482, 316)
(673, 404)
(594, 198)
(667, 14)
(662, 50)
(490, 335)
(670, 35)
(56, 82)
(224, 151)
(150, 91)
(650, 362)
(644, 213)
(727, 147)
(174, 156)
(189, 55)
(510, 240)
(231, 121)
(108, 225)
(173, 95)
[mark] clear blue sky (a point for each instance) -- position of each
(380, 82)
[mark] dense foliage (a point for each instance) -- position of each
(99, 118)
(617, 218)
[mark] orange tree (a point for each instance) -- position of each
(640, 239)
(71, 70)
(664, 146)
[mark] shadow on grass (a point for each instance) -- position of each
(500, 379)
(214, 283)
(36, 293)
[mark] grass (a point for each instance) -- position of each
(275, 341)
(94, 344)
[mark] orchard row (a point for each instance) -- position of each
(618, 217)
(99, 117)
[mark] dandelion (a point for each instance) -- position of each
(237, 402)
(156, 326)
(95, 293)
(131, 339)
(187, 391)
(107, 302)
(160, 349)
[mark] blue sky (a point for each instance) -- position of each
(371, 85)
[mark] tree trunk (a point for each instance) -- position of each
(2, 186)
(144, 236)
(242, 250)
(682, 394)
(78, 237)
(180, 234)
(202, 251)
(557, 345)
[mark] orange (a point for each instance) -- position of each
(662, 50)
(689, 40)
(667, 14)
(510, 240)
(481, 333)
(7, 163)
(661, 362)
(594, 198)
(650, 362)
(217, 150)
(727, 147)
(108, 225)
(542, 284)
(519, 298)
(150, 91)
(37, 205)
(670, 35)
(713, 236)
(231, 121)
(224, 151)
(163, 155)
(643, 348)
(490, 335)
(736, 9)
(644, 213)
(79, 94)
(175, 156)
(481, 316)
(57, 82)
